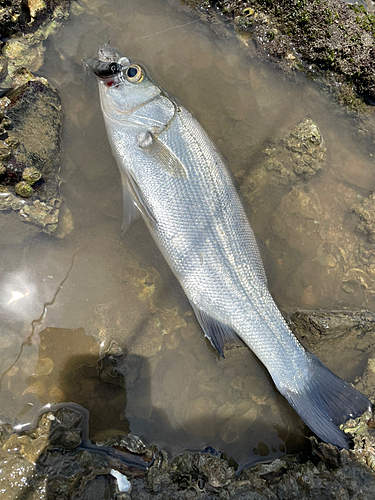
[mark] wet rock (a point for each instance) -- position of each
(30, 155)
(23, 189)
(46, 462)
(39, 213)
(131, 443)
(193, 475)
(3, 67)
(216, 471)
(28, 24)
(302, 153)
(5, 124)
(317, 327)
(366, 382)
(20, 54)
(325, 473)
(158, 476)
(31, 175)
(309, 35)
(52, 458)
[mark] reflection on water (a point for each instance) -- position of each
(179, 393)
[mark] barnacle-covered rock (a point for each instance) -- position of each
(27, 160)
(41, 214)
(215, 470)
(24, 189)
(31, 175)
(5, 151)
(3, 67)
(302, 153)
(25, 26)
(299, 156)
(316, 328)
(5, 122)
(45, 461)
(158, 476)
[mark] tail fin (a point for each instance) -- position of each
(326, 401)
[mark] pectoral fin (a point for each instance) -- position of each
(217, 333)
(133, 202)
(161, 154)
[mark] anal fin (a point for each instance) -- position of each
(217, 333)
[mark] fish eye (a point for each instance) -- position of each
(134, 73)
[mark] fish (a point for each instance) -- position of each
(174, 176)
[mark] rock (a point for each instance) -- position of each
(366, 213)
(18, 17)
(49, 457)
(318, 327)
(31, 154)
(3, 67)
(31, 175)
(23, 189)
(297, 157)
(304, 36)
(54, 453)
(336, 265)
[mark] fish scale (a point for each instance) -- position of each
(175, 177)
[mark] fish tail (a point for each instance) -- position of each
(325, 401)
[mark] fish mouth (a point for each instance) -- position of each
(109, 64)
(110, 54)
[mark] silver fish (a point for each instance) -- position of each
(177, 179)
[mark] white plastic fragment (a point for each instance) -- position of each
(123, 484)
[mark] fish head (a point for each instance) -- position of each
(123, 85)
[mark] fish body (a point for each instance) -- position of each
(176, 178)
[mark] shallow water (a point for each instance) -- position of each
(98, 288)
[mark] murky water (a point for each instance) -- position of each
(99, 289)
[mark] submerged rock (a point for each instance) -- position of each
(319, 245)
(366, 213)
(52, 458)
(297, 157)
